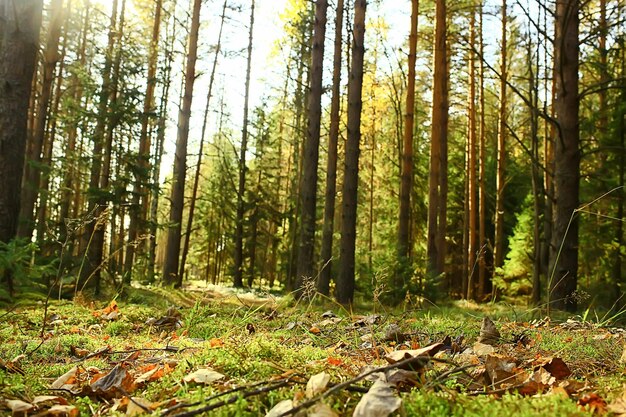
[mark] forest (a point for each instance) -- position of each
(396, 151)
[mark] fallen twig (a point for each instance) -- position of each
(276, 385)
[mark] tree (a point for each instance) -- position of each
(32, 170)
(345, 279)
(406, 174)
(564, 245)
(501, 147)
(172, 253)
(326, 250)
(472, 209)
(19, 43)
(241, 189)
(196, 179)
(308, 191)
(437, 184)
(139, 208)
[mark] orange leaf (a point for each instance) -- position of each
(335, 361)
(216, 342)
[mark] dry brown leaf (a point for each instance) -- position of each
(203, 376)
(67, 380)
(116, 382)
(280, 408)
(481, 349)
(134, 407)
(54, 399)
(19, 407)
(61, 411)
(317, 384)
(593, 402)
(556, 367)
(489, 334)
(380, 401)
(321, 410)
(618, 406)
(400, 355)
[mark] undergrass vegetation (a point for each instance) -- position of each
(267, 349)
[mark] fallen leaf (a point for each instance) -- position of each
(203, 376)
(150, 375)
(115, 383)
(481, 349)
(618, 406)
(315, 330)
(380, 401)
(556, 367)
(334, 361)
(400, 355)
(62, 411)
(321, 410)
(216, 342)
(489, 334)
(138, 406)
(593, 402)
(66, 380)
(317, 384)
(280, 408)
(19, 407)
(54, 399)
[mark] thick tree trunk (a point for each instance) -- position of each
(564, 248)
(345, 279)
(32, 170)
(406, 170)
(326, 251)
(172, 253)
(18, 58)
(308, 191)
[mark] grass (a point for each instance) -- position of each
(253, 340)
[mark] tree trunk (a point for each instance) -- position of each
(139, 207)
(323, 283)
(564, 247)
(482, 183)
(308, 191)
(196, 178)
(32, 170)
(501, 147)
(438, 149)
(406, 170)
(345, 279)
(472, 209)
(172, 253)
(18, 59)
(238, 258)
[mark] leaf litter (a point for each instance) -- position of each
(389, 362)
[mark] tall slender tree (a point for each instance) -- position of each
(241, 189)
(172, 253)
(501, 146)
(564, 246)
(406, 170)
(472, 214)
(437, 182)
(323, 283)
(196, 179)
(33, 168)
(139, 207)
(308, 191)
(345, 279)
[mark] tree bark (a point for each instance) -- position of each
(140, 198)
(472, 244)
(501, 147)
(564, 248)
(172, 252)
(406, 171)
(345, 280)
(438, 149)
(33, 167)
(196, 178)
(241, 189)
(326, 251)
(308, 191)
(19, 43)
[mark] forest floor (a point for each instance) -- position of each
(209, 351)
